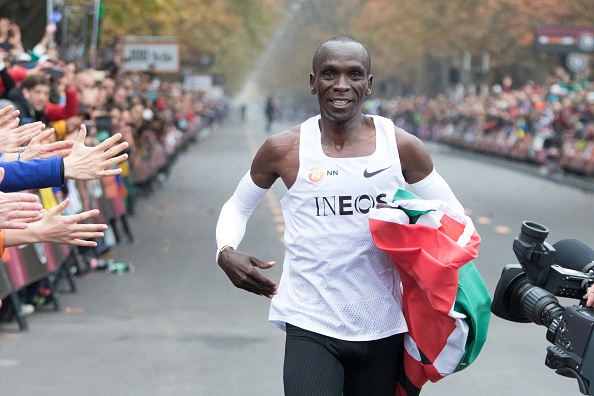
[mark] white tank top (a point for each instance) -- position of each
(335, 281)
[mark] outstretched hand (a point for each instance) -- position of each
(37, 149)
(241, 270)
(7, 115)
(13, 137)
(89, 163)
(18, 209)
(55, 228)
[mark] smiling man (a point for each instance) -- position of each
(339, 298)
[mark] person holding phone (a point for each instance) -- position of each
(10, 37)
(31, 98)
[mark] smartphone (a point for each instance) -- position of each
(55, 72)
(103, 123)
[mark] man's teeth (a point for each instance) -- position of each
(340, 102)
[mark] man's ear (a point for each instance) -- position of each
(312, 87)
(369, 85)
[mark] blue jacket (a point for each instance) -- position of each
(33, 174)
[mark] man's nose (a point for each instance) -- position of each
(341, 83)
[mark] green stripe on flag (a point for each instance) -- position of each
(474, 301)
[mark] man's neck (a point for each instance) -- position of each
(351, 138)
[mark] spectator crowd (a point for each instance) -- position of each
(551, 125)
(93, 138)
(79, 144)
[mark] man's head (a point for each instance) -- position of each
(36, 90)
(341, 78)
(341, 39)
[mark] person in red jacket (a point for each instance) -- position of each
(31, 98)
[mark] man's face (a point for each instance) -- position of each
(38, 96)
(108, 85)
(340, 80)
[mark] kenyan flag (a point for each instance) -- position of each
(445, 301)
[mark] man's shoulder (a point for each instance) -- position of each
(288, 135)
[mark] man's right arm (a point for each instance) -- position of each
(240, 267)
(236, 212)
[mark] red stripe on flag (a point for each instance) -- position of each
(450, 227)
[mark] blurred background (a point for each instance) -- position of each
(417, 47)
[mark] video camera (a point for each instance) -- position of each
(526, 293)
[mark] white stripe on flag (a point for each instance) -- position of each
(450, 356)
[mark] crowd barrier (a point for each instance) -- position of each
(24, 266)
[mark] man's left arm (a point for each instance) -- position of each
(419, 172)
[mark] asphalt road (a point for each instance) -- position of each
(176, 325)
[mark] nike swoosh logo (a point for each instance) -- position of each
(371, 174)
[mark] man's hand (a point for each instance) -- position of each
(36, 149)
(13, 137)
(89, 163)
(55, 228)
(241, 270)
(7, 116)
(18, 209)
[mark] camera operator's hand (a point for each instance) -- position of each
(590, 293)
(89, 163)
(18, 209)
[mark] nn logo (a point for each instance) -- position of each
(316, 174)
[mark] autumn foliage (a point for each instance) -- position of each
(412, 42)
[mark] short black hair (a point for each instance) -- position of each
(35, 80)
(342, 39)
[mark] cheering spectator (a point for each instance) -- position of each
(32, 99)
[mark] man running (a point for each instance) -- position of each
(339, 297)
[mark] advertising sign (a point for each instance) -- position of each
(564, 39)
(160, 54)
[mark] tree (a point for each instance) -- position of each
(234, 32)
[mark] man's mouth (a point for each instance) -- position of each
(340, 102)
